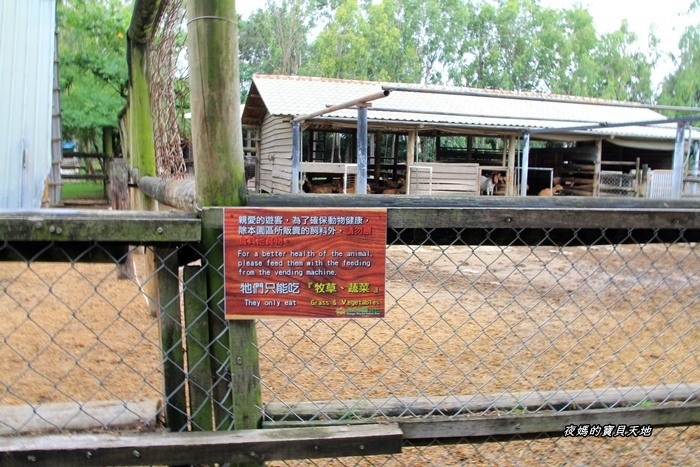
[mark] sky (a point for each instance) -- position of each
(668, 17)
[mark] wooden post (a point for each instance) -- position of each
(212, 27)
(597, 166)
(171, 338)
(377, 154)
(118, 194)
(141, 151)
(510, 179)
(198, 364)
(296, 155)
(410, 157)
(258, 157)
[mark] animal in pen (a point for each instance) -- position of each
(322, 188)
(556, 190)
(488, 183)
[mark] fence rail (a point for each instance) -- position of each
(526, 323)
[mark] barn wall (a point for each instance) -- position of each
(276, 155)
(26, 73)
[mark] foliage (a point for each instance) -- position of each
(274, 40)
(682, 87)
(504, 44)
(93, 73)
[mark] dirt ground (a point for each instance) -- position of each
(459, 321)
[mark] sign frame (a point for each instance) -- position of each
(304, 262)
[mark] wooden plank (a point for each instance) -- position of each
(198, 448)
(171, 336)
(245, 374)
(47, 417)
(118, 193)
(328, 167)
(454, 405)
(199, 369)
(475, 429)
(507, 212)
(65, 225)
(497, 426)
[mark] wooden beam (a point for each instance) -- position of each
(497, 426)
(178, 193)
(198, 448)
(476, 429)
(134, 227)
(497, 212)
(454, 405)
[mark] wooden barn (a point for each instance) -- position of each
(334, 135)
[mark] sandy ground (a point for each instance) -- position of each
(459, 322)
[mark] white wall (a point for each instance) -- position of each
(26, 73)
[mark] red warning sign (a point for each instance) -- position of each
(304, 262)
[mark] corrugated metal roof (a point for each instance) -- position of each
(486, 109)
(26, 72)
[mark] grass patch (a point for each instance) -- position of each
(82, 190)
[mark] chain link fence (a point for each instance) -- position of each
(481, 324)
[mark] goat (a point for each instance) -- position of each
(554, 191)
(488, 184)
(321, 188)
(395, 191)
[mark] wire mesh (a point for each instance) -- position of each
(166, 74)
(472, 315)
(618, 184)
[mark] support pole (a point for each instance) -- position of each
(410, 157)
(296, 156)
(525, 164)
(377, 156)
(677, 177)
(510, 179)
(597, 166)
(361, 179)
(696, 166)
(212, 39)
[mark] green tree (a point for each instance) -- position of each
(93, 72)
(274, 39)
(682, 86)
(340, 50)
(622, 72)
(498, 49)
(367, 41)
